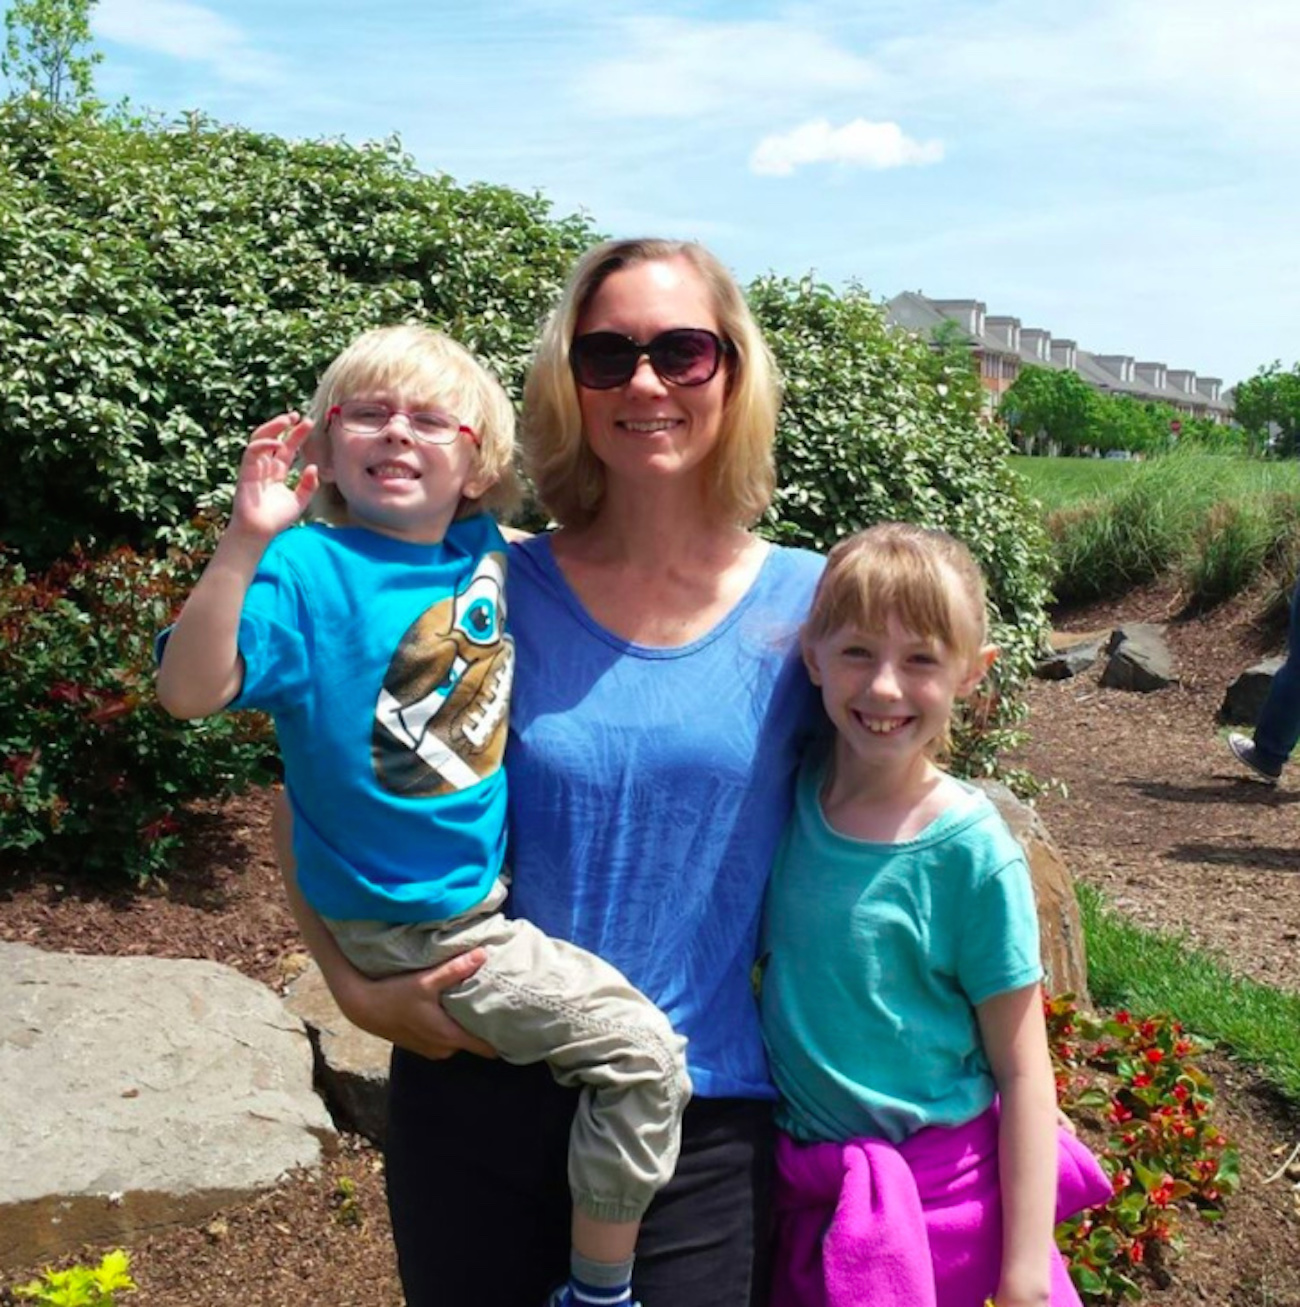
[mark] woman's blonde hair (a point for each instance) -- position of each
(570, 479)
(415, 360)
(925, 578)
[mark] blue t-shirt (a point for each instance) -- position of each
(648, 789)
(387, 670)
(876, 957)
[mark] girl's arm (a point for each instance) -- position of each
(201, 669)
(406, 1009)
(1015, 1040)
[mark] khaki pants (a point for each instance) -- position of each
(539, 999)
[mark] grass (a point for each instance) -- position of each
(1155, 972)
(1059, 482)
(1219, 523)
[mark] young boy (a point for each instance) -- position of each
(378, 645)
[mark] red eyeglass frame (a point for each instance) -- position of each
(461, 430)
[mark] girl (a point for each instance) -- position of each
(920, 1157)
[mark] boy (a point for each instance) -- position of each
(378, 646)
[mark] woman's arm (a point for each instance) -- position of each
(1015, 1039)
(406, 1009)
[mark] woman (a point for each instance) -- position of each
(658, 719)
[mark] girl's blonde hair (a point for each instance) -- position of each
(925, 578)
(418, 361)
(570, 479)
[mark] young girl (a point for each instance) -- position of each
(921, 1162)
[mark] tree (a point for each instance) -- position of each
(46, 51)
(1060, 404)
(1268, 404)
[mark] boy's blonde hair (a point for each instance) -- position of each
(570, 479)
(419, 361)
(925, 578)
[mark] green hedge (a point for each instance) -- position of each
(164, 287)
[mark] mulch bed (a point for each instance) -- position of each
(1153, 811)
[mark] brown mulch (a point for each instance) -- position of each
(1154, 812)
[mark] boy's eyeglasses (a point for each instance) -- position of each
(368, 417)
(684, 356)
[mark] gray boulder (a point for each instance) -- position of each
(351, 1066)
(1069, 658)
(1246, 695)
(141, 1092)
(1139, 659)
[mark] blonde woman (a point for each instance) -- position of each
(660, 711)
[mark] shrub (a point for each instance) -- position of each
(165, 287)
(1138, 1080)
(873, 429)
(92, 771)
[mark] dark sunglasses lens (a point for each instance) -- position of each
(686, 357)
(603, 360)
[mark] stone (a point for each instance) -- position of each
(1245, 696)
(1069, 659)
(351, 1066)
(142, 1092)
(1060, 927)
(1139, 659)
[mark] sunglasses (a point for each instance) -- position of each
(684, 356)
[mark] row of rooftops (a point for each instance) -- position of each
(1001, 336)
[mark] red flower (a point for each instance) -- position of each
(1181, 1093)
(1141, 1080)
(19, 765)
(65, 692)
(157, 829)
(1154, 1055)
(1123, 1016)
(109, 711)
(1136, 1252)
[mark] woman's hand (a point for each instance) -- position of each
(407, 1010)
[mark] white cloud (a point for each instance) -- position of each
(858, 144)
(673, 68)
(185, 31)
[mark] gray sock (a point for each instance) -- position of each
(600, 1275)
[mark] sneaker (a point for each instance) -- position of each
(564, 1297)
(1244, 751)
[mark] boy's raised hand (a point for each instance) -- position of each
(265, 503)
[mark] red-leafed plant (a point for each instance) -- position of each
(1137, 1081)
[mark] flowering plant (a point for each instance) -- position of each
(1135, 1080)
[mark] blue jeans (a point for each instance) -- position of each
(1278, 728)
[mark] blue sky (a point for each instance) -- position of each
(1123, 173)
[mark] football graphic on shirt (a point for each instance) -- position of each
(440, 723)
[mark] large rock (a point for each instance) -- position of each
(1069, 654)
(1245, 697)
(141, 1092)
(1060, 926)
(351, 1066)
(1139, 659)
